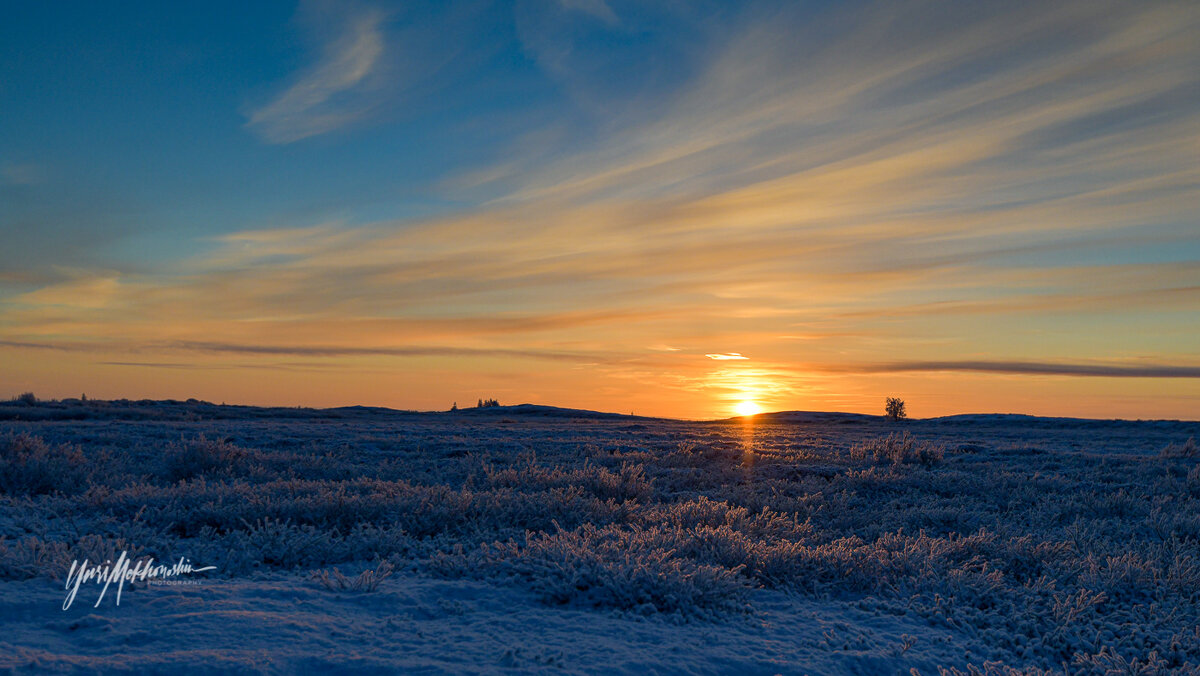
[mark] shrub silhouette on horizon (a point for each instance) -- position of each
(895, 408)
(487, 403)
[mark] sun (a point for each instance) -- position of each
(747, 408)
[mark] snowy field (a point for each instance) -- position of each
(535, 540)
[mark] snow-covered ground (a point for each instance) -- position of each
(289, 624)
(516, 540)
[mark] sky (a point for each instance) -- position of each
(683, 209)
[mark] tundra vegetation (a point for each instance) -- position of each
(1058, 545)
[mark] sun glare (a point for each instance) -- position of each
(747, 408)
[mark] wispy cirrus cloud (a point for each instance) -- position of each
(408, 351)
(596, 8)
(1031, 368)
(26, 345)
(21, 174)
(331, 93)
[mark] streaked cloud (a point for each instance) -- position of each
(726, 356)
(1035, 368)
(21, 174)
(175, 365)
(81, 290)
(596, 8)
(331, 93)
(410, 351)
(24, 345)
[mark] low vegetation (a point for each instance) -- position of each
(898, 449)
(1187, 449)
(1036, 542)
(366, 581)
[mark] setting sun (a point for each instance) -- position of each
(747, 408)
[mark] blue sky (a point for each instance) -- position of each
(988, 206)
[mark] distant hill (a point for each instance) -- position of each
(194, 409)
(1033, 420)
(539, 410)
(834, 418)
(150, 409)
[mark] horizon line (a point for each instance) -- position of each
(191, 401)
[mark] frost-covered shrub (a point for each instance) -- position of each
(189, 508)
(30, 466)
(268, 544)
(368, 541)
(618, 569)
(366, 581)
(995, 669)
(627, 482)
(203, 457)
(1193, 481)
(1109, 661)
(898, 449)
(704, 511)
(1024, 558)
(100, 548)
(1131, 576)
(1187, 449)
(283, 544)
(30, 557)
(771, 563)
